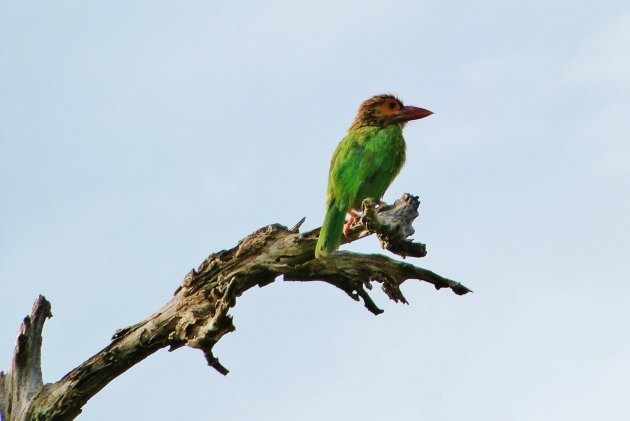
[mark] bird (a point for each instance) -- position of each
(364, 164)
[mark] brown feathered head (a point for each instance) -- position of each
(384, 110)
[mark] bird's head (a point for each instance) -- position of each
(384, 110)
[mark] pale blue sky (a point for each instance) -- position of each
(138, 137)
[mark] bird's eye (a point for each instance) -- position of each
(391, 105)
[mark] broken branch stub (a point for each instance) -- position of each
(392, 224)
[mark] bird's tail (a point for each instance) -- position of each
(331, 232)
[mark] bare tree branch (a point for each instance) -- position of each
(25, 377)
(197, 316)
(353, 273)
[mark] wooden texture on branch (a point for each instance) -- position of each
(197, 316)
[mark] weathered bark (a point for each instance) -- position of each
(24, 380)
(197, 316)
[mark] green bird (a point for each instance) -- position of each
(364, 164)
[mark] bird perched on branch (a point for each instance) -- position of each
(364, 164)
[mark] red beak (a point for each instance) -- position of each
(412, 113)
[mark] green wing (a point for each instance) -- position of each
(364, 165)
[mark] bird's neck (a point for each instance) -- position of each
(372, 121)
(393, 131)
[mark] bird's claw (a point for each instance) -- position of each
(354, 217)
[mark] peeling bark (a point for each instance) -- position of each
(197, 316)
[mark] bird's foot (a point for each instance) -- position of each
(354, 217)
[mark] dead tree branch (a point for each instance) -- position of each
(197, 316)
